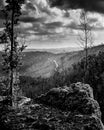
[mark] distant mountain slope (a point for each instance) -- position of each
(37, 64)
(43, 64)
(56, 50)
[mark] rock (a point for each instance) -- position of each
(67, 108)
(78, 100)
(23, 100)
(81, 86)
(85, 122)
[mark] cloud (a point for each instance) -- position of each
(41, 6)
(45, 33)
(93, 20)
(66, 14)
(45, 20)
(60, 21)
(53, 25)
(73, 25)
(90, 5)
(96, 20)
(57, 23)
(30, 6)
(25, 25)
(27, 19)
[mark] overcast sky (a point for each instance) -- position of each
(55, 23)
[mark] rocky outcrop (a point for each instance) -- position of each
(67, 108)
(78, 100)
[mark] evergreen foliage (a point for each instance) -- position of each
(12, 50)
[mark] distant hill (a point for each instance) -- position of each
(39, 63)
(55, 50)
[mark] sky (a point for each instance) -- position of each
(55, 23)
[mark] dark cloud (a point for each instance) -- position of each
(73, 25)
(93, 20)
(30, 6)
(44, 33)
(53, 25)
(66, 14)
(90, 5)
(27, 19)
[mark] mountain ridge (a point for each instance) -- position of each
(44, 64)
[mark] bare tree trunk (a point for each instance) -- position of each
(85, 36)
(86, 51)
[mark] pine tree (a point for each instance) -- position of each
(13, 50)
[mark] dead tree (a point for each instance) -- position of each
(85, 36)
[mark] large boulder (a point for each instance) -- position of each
(77, 99)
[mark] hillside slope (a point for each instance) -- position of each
(43, 64)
